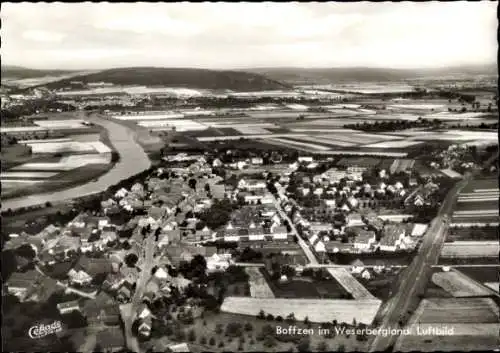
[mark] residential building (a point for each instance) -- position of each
(68, 307)
(393, 238)
(364, 240)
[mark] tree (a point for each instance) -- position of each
(203, 340)
(261, 315)
(291, 318)
(211, 341)
(322, 347)
(234, 329)
(219, 329)
(248, 327)
(131, 260)
(304, 345)
(26, 251)
(191, 336)
(207, 188)
(269, 317)
(306, 321)
(192, 183)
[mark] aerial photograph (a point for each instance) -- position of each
(250, 177)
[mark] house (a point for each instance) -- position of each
(125, 292)
(365, 274)
(364, 240)
(279, 232)
(373, 222)
(94, 266)
(68, 307)
(144, 328)
(218, 262)
(357, 266)
(251, 185)
(79, 277)
(113, 281)
(111, 340)
(179, 348)
(305, 159)
(257, 161)
(393, 238)
(320, 247)
(419, 229)
(21, 284)
(161, 274)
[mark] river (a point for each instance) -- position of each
(133, 160)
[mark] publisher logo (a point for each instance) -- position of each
(41, 330)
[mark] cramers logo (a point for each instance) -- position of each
(41, 330)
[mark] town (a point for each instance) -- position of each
(149, 209)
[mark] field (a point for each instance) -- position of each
(317, 310)
(472, 324)
(476, 233)
(478, 203)
(207, 328)
(470, 249)
(258, 284)
(458, 284)
(482, 274)
(350, 284)
(307, 288)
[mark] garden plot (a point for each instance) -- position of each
(470, 249)
(60, 124)
(251, 130)
(458, 284)
(300, 144)
(60, 147)
(27, 174)
(317, 310)
(326, 141)
(258, 284)
(393, 144)
(350, 284)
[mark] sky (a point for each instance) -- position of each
(248, 35)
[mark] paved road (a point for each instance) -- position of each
(129, 311)
(305, 247)
(133, 160)
(417, 274)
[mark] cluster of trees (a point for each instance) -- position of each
(218, 214)
(393, 125)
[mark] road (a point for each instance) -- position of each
(417, 274)
(133, 160)
(305, 247)
(129, 311)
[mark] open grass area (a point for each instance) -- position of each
(458, 284)
(481, 274)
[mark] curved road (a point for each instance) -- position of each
(133, 160)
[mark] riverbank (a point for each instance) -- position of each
(133, 160)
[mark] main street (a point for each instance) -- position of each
(129, 311)
(417, 274)
(310, 255)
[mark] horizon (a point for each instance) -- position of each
(3, 66)
(189, 35)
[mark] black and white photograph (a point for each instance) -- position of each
(249, 177)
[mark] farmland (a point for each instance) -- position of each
(458, 284)
(467, 323)
(470, 249)
(317, 310)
